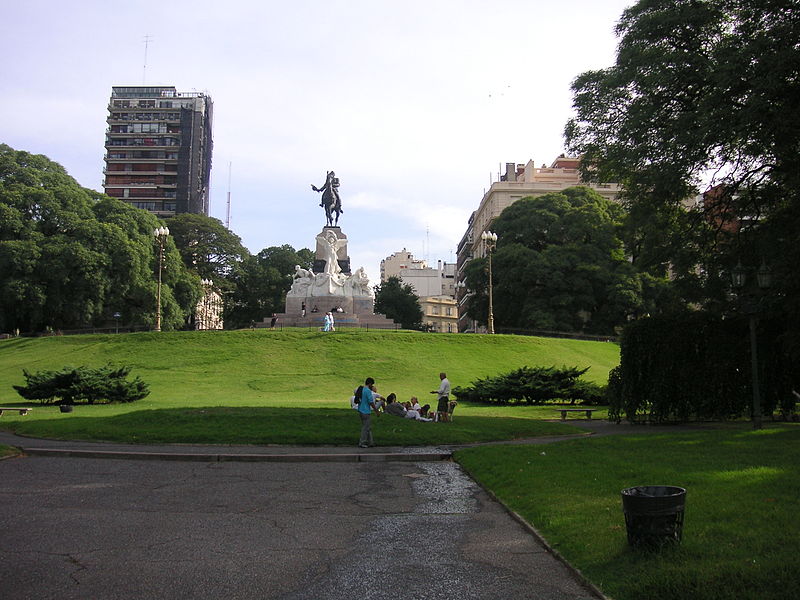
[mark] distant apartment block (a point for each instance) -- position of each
(425, 280)
(158, 149)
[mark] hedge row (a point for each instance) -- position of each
(697, 366)
(534, 385)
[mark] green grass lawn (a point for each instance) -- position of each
(740, 535)
(236, 376)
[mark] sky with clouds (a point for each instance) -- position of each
(414, 104)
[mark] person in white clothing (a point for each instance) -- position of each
(444, 397)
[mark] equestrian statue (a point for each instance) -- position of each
(330, 199)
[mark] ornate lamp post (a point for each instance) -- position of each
(764, 280)
(490, 243)
(161, 238)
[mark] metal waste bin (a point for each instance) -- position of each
(654, 515)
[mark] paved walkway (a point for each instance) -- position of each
(205, 522)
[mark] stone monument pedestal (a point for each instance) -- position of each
(330, 284)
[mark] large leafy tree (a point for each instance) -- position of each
(560, 265)
(70, 257)
(703, 95)
(206, 245)
(398, 301)
(260, 282)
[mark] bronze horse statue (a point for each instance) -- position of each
(330, 199)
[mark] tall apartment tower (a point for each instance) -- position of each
(158, 149)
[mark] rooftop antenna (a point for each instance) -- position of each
(228, 213)
(147, 39)
(427, 244)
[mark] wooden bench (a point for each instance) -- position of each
(22, 411)
(564, 412)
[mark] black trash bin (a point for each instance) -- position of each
(654, 515)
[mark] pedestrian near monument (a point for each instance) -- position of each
(273, 321)
(366, 404)
(444, 397)
(303, 309)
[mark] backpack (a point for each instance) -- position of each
(356, 399)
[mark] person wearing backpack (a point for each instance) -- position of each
(366, 404)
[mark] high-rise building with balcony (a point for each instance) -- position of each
(158, 149)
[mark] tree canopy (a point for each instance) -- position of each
(560, 265)
(259, 283)
(703, 95)
(71, 257)
(698, 89)
(399, 302)
(207, 247)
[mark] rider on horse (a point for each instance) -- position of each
(330, 198)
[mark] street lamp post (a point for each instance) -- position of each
(764, 280)
(490, 242)
(161, 238)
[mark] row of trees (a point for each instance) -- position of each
(71, 258)
(700, 97)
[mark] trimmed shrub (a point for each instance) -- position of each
(71, 385)
(534, 385)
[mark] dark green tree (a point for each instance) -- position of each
(560, 265)
(70, 257)
(703, 95)
(259, 284)
(207, 247)
(399, 302)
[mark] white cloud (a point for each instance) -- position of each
(413, 104)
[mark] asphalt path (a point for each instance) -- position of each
(86, 528)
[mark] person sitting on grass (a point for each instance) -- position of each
(422, 410)
(380, 401)
(412, 413)
(393, 407)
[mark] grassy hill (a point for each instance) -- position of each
(294, 368)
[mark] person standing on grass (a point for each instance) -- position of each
(366, 404)
(444, 397)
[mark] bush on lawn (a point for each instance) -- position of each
(534, 385)
(71, 385)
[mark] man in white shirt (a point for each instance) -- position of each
(444, 397)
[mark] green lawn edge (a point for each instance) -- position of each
(740, 535)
